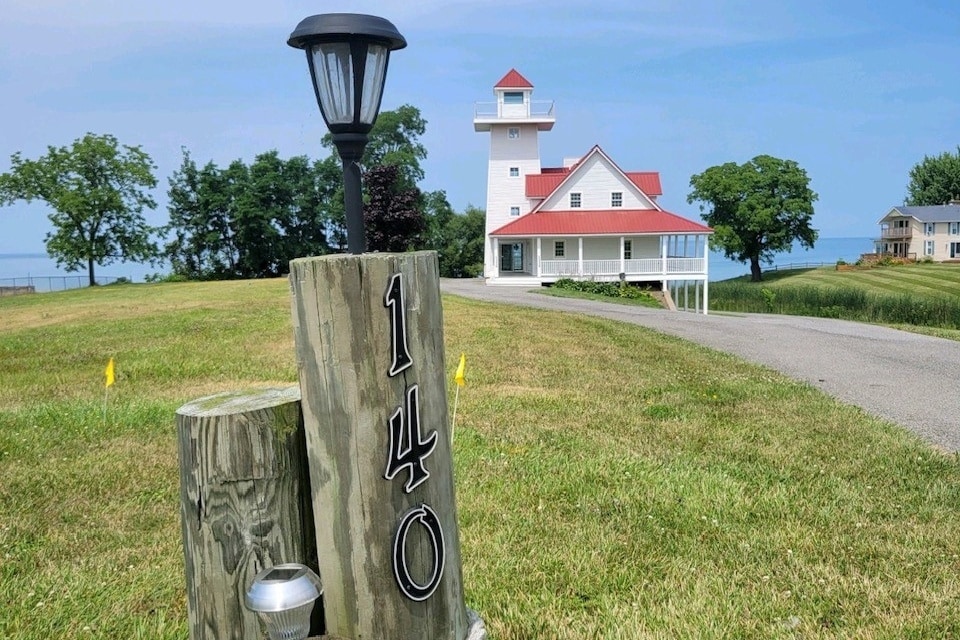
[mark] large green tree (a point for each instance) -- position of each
(248, 221)
(461, 250)
(935, 179)
(97, 189)
(756, 209)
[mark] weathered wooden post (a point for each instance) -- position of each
(369, 339)
(244, 503)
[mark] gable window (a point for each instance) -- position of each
(514, 172)
(514, 211)
(513, 97)
(574, 200)
(513, 133)
(928, 248)
(628, 250)
(616, 199)
(559, 249)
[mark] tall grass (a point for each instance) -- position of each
(848, 302)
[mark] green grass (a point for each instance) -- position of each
(919, 295)
(611, 482)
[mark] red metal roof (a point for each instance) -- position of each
(540, 185)
(606, 222)
(513, 80)
(647, 181)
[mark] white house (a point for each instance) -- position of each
(913, 232)
(587, 219)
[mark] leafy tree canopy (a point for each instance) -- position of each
(756, 209)
(393, 214)
(935, 180)
(249, 221)
(98, 191)
(394, 140)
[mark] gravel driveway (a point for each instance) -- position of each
(907, 378)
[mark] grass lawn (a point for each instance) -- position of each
(611, 482)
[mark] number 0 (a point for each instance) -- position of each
(428, 518)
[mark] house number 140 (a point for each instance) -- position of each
(408, 450)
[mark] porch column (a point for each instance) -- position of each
(538, 255)
(664, 240)
(706, 272)
(623, 262)
(706, 257)
(495, 270)
(580, 255)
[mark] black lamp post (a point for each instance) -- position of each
(348, 55)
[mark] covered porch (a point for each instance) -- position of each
(546, 259)
(673, 260)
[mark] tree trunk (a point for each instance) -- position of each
(93, 281)
(755, 269)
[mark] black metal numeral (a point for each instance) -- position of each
(428, 518)
(406, 447)
(393, 300)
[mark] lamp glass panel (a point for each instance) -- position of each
(333, 75)
(373, 79)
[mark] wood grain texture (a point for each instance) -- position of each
(342, 332)
(244, 504)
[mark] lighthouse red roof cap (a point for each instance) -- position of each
(513, 80)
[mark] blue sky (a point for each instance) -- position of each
(857, 92)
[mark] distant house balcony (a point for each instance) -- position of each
(896, 233)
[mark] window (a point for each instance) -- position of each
(928, 248)
(628, 250)
(955, 249)
(955, 228)
(514, 211)
(513, 97)
(513, 133)
(929, 228)
(574, 200)
(514, 172)
(616, 199)
(559, 249)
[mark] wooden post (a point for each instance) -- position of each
(369, 339)
(243, 501)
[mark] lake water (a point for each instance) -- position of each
(41, 271)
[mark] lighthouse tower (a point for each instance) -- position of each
(513, 121)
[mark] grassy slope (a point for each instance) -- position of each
(910, 295)
(611, 482)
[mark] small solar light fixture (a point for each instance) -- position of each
(283, 597)
(347, 54)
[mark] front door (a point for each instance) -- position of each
(511, 257)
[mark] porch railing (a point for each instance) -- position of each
(642, 266)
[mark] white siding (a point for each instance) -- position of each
(600, 248)
(504, 191)
(595, 181)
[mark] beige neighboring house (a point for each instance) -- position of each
(919, 232)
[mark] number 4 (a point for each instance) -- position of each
(405, 426)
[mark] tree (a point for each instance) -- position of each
(393, 214)
(97, 190)
(394, 140)
(935, 180)
(461, 255)
(756, 209)
(249, 221)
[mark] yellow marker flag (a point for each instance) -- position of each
(109, 373)
(460, 370)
